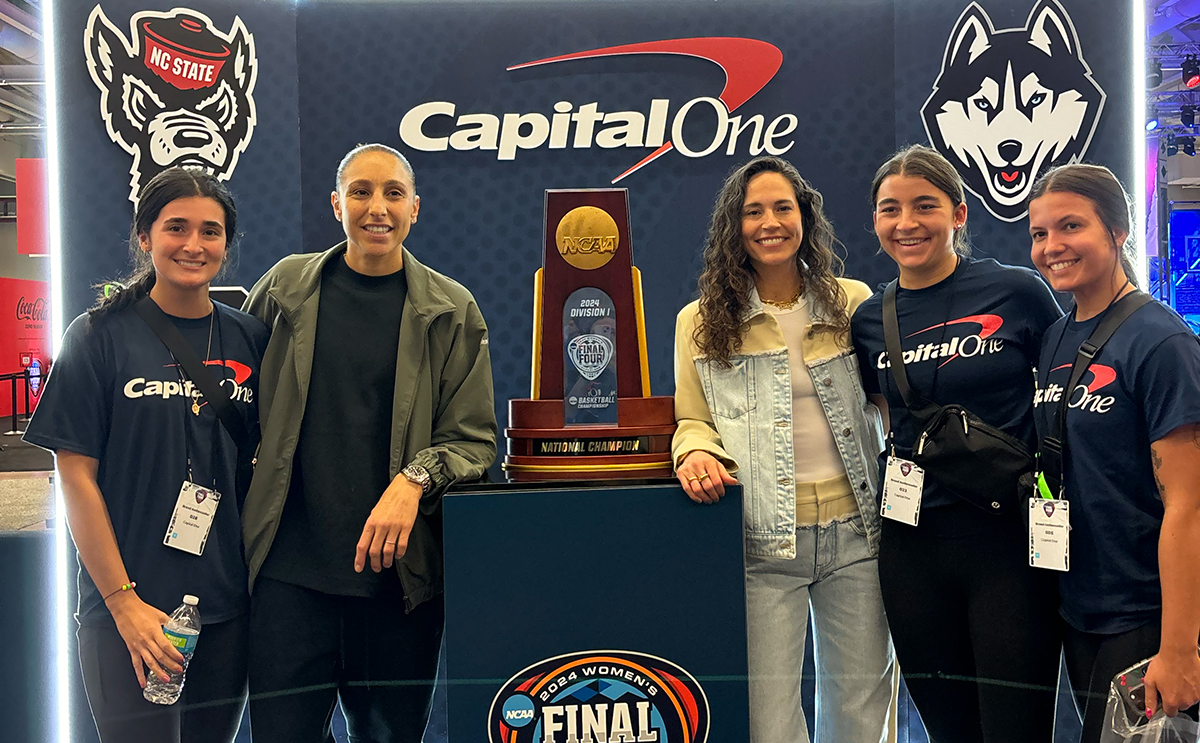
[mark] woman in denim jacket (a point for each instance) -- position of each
(768, 387)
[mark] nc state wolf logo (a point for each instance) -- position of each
(1010, 103)
(177, 92)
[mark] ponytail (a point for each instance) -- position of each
(116, 296)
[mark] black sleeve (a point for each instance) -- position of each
(1168, 385)
(74, 412)
(870, 380)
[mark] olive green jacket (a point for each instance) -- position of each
(443, 414)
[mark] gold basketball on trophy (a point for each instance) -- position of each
(587, 237)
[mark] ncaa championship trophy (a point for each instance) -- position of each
(590, 416)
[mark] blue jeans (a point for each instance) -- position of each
(834, 574)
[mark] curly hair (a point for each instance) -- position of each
(169, 185)
(728, 275)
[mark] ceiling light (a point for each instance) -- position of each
(1191, 71)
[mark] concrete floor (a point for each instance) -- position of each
(26, 500)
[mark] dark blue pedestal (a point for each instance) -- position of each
(634, 589)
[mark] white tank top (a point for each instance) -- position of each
(814, 446)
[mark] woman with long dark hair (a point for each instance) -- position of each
(131, 432)
(974, 625)
(1132, 471)
(767, 387)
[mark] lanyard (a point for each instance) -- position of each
(195, 399)
(887, 381)
(1053, 448)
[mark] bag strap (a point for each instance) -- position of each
(195, 369)
(1054, 446)
(918, 406)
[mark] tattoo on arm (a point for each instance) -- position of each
(1157, 460)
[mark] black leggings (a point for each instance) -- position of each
(208, 711)
(1092, 662)
(976, 629)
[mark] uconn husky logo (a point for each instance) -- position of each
(176, 92)
(1010, 103)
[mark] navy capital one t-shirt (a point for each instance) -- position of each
(114, 394)
(971, 339)
(1142, 385)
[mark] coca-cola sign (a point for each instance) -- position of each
(35, 310)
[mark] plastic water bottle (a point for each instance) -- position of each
(182, 631)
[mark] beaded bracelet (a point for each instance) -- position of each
(124, 587)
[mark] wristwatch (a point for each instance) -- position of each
(419, 475)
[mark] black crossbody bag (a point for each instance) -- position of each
(979, 463)
(1053, 449)
(196, 371)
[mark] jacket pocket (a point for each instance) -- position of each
(729, 392)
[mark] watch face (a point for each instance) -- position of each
(417, 474)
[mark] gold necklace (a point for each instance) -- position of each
(786, 304)
(207, 358)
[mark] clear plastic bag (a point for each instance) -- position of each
(1125, 715)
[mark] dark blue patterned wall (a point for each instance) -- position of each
(855, 73)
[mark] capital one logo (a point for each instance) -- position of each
(176, 91)
(1008, 104)
(967, 346)
(1084, 397)
(748, 64)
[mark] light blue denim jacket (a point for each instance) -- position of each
(743, 416)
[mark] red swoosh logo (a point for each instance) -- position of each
(748, 64)
(988, 325)
(1102, 375)
(241, 372)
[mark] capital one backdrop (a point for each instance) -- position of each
(665, 98)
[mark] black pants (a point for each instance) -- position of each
(209, 709)
(976, 629)
(309, 648)
(1093, 660)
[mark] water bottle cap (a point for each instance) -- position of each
(190, 600)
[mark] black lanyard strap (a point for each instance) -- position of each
(196, 371)
(189, 400)
(1054, 445)
(918, 406)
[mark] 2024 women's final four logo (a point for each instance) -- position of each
(604, 696)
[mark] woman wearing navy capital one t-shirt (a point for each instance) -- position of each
(126, 436)
(973, 625)
(1133, 454)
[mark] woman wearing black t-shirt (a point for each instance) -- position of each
(1133, 454)
(973, 625)
(130, 432)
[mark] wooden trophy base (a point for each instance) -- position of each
(541, 448)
